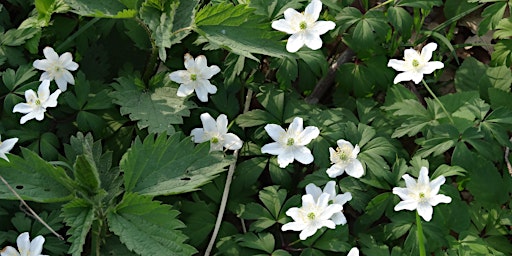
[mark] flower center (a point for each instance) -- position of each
(290, 142)
(214, 140)
(193, 77)
(303, 25)
(311, 215)
(422, 195)
(415, 63)
(38, 102)
(343, 154)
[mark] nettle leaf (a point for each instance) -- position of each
(156, 110)
(16, 37)
(148, 227)
(239, 30)
(78, 215)
(424, 4)
(34, 179)
(166, 166)
(102, 9)
(502, 54)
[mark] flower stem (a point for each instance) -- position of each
(419, 234)
(225, 194)
(77, 33)
(438, 101)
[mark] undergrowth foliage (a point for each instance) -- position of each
(255, 127)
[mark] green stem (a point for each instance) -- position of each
(77, 33)
(96, 238)
(419, 233)
(382, 4)
(438, 101)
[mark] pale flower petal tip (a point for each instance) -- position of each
(6, 146)
(37, 103)
(344, 159)
(195, 77)
(415, 64)
(56, 67)
(420, 195)
(353, 252)
(304, 28)
(25, 246)
(290, 144)
(216, 131)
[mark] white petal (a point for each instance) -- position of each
(274, 131)
(436, 184)
(42, 64)
(343, 198)
(50, 54)
(406, 205)
(294, 226)
(437, 199)
(189, 62)
(307, 135)
(209, 124)
(353, 252)
(36, 246)
(7, 145)
(330, 210)
(335, 171)
(215, 146)
(291, 14)
(429, 67)
(285, 158)
(180, 76)
(22, 108)
(313, 190)
(426, 52)
(296, 126)
(321, 27)
(425, 210)
(313, 9)
(27, 117)
(68, 76)
(206, 85)
(9, 250)
(409, 181)
(423, 178)
(411, 54)
(355, 151)
(273, 148)
(198, 135)
(209, 72)
(222, 124)
(408, 76)
(343, 143)
(185, 90)
(62, 83)
(307, 232)
(313, 41)
(303, 155)
(295, 42)
(330, 188)
(339, 218)
(398, 65)
(355, 169)
(23, 240)
(283, 25)
(202, 93)
(66, 60)
(30, 96)
(45, 76)
(232, 142)
(403, 193)
(43, 92)
(201, 63)
(52, 100)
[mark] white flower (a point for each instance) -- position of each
(313, 215)
(340, 199)
(353, 252)
(304, 27)
(196, 77)
(421, 195)
(415, 64)
(6, 146)
(25, 247)
(344, 158)
(217, 133)
(57, 67)
(37, 103)
(290, 144)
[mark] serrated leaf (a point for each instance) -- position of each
(165, 166)
(274, 8)
(157, 110)
(502, 54)
(34, 179)
(503, 29)
(78, 215)
(148, 227)
(492, 15)
(238, 30)
(86, 173)
(16, 37)
(101, 9)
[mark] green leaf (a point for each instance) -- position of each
(16, 37)
(34, 179)
(263, 241)
(102, 9)
(447, 171)
(370, 30)
(492, 15)
(256, 117)
(347, 17)
(401, 20)
(502, 54)
(78, 215)
(238, 30)
(263, 218)
(86, 174)
(13, 79)
(156, 110)
(503, 29)
(423, 4)
(272, 9)
(148, 227)
(273, 199)
(165, 166)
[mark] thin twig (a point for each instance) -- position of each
(507, 152)
(30, 209)
(326, 82)
(225, 194)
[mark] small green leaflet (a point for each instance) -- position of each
(78, 215)
(101, 8)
